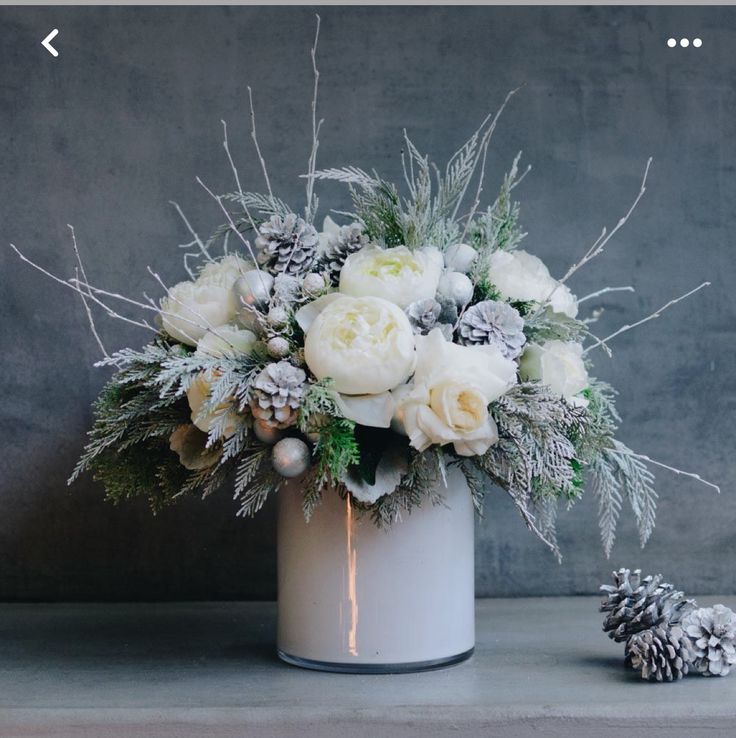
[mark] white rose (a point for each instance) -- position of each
(365, 344)
(190, 309)
(198, 394)
(558, 364)
(227, 340)
(398, 275)
(521, 276)
(448, 399)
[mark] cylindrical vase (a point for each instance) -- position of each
(357, 598)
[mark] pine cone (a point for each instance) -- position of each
(349, 239)
(276, 394)
(661, 654)
(712, 631)
(424, 316)
(635, 604)
(492, 323)
(287, 245)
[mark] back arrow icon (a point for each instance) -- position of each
(47, 45)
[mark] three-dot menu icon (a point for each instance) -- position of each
(684, 42)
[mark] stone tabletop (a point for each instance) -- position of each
(542, 667)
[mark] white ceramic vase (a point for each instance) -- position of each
(355, 598)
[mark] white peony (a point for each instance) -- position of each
(447, 402)
(198, 394)
(559, 365)
(398, 275)
(365, 344)
(224, 272)
(191, 308)
(226, 340)
(519, 275)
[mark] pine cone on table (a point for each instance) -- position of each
(634, 604)
(492, 323)
(348, 240)
(712, 631)
(277, 393)
(662, 653)
(287, 245)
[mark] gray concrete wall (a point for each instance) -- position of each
(129, 113)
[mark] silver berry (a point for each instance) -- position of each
(313, 284)
(278, 347)
(278, 316)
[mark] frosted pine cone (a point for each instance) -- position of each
(661, 654)
(277, 393)
(634, 604)
(348, 240)
(712, 631)
(424, 315)
(287, 245)
(493, 323)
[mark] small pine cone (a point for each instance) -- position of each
(276, 394)
(635, 604)
(348, 240)
(492, 323)
(712, 631)
(287, 245)
(424, 316)
(660, 654)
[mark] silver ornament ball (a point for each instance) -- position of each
(254, 288)
(266, 433)
(290, 457)
(460, 257)
(278, 347)
(457, 287)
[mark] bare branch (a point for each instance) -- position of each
(673, 469)
(197, 239)
(80, 270)
(311, 206)
(604, 238)
(87, 292)
(654, 315)
(258, 148)
(605, 291)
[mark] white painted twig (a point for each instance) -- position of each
(197, 239)
(87, 291)
(604, 291)
(653, 315)
(600, 243)
(311, 208)
(254, 136)
(673, 469)
(80, 270)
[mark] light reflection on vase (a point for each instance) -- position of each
(353, 597)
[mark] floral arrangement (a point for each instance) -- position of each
(365, 355)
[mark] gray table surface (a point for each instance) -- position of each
(542, 667)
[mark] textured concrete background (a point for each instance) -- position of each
(124, 119)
